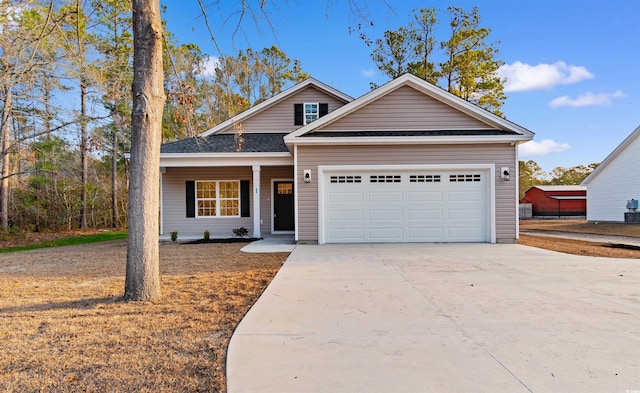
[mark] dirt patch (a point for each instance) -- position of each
(64, 328)
(582, 226)
(578, 247)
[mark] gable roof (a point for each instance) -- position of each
(513, 132)
(240, 117)
(613, 155)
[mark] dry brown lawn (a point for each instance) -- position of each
(583, 226)
(579, 247)
(64, 328)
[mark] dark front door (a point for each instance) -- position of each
(283, 206)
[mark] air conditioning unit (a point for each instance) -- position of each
(632, 205)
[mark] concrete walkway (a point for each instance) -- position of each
(441, 318)
(271, 243)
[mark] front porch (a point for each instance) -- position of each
(219, 199)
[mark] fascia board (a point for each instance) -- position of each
(409, 140)
(275, 99)
(223, 155)
(217, 161)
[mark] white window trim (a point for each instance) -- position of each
(304, 112)
(217, 198)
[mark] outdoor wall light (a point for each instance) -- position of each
(307, 175)
(504, 173)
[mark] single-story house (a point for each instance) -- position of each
(614, 182)
(557, 200)
(406, 162)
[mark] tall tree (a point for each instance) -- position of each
(396, 51)
(470, 69)
(23, 25)
(115, 43)
(142, 274)
(425, 22)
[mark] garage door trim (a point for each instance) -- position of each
(489, 169)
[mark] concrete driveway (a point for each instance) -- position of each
(441, 318)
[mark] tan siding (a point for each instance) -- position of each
(174, 199)
(310, 157)
(405, 109)
(279, 117)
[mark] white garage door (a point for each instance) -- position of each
(405, 206)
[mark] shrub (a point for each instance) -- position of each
(207, 234)
(174, 236)
(240, 232)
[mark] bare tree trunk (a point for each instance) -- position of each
(114, 180)
(4, 182)
(83, 151)
(142, 278)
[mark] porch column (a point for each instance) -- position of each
(256, 201)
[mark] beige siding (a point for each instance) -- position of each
(174, 199)
(501, 155)
(405, 109)
(279, 118)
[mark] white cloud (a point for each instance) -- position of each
(524, 77)
(543, 148)
(209, 66)
(588, 99)
(368, 73)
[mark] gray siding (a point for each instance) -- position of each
(405, 109)
(279, 117)
(174, 199)
(310, 157)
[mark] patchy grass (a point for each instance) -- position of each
(68, 241)
(64, 328)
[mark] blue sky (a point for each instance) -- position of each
(572, 66)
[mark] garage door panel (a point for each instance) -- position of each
(345, 215)
(425, 214)
(425, 196)
(465, 214)
(385, 215)
(345, 197)
(464, 196)
(349, 234)
(414, 206)
(386, 234)
(387, 197)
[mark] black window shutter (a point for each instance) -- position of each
(323, 110)
(191, 198)
(245, 192)
(298, 114)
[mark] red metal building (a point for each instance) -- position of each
(557, 200)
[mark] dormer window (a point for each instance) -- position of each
(309, 112)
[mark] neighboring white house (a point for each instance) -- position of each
(615, 181)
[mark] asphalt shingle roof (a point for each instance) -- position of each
(225, 143)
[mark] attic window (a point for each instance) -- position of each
(309, 112)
